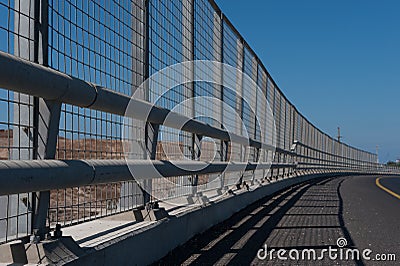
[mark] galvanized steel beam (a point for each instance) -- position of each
(39, 175)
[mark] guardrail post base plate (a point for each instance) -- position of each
(55, 251)
(138, 216)
(200, 198)
(154, 214)
(46, 252)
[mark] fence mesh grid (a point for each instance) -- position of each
(17, 25)
(117, 45)
(100, 42)
(170, 42)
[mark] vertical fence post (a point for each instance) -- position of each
(47, 124)
(284, 139)
(46, 120)
(300, 138)
(196, 153)
(189, 54)
(218, 47)
(151, 138)
(273, 158)
(254, 77)
(239, 103)
(151, 130)
(294, 131)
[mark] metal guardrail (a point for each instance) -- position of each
(30, 176)
(67, 72)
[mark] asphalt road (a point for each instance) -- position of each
(303, 219)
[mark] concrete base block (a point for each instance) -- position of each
(190, 199)
(59, 251)
(13, 253)
(137, 215)
(204, 199)
(199, 198)
(219, 191)
(154, 214)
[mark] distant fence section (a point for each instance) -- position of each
(68, 70)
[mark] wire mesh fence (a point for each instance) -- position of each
(17, 23)
(100, 42)
(118, 45)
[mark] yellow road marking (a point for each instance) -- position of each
(386, 189)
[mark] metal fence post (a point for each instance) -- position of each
(256, 155)
(218, 46)
(46, 119)
(196, 153)
(239, 103)
(151, 138)
(151, 130)
(47, 131)
(294, 131)
(285, 129)
(189, 35)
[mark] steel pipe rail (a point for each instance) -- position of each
(40, 175)
(330, 162)
(23, 76)
(296, 142)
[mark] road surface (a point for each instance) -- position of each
(361, 211)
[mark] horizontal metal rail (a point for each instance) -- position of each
(337, 164)
(296, 142)
(23, 76)
(329, 162)
(38, 175)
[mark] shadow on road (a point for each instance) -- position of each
(306, 216)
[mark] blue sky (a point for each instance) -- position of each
(337, 61)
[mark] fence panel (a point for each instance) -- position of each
(118, 45)
(17, 130)
(100, 42)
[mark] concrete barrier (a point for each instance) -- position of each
(154, 241)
